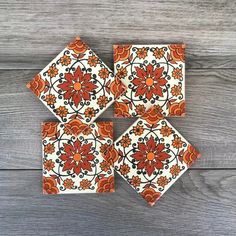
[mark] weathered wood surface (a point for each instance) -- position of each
(209, 123)
(32, 32)
(201, 203)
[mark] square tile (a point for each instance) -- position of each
(152, 155)
(76, 164)
(76, 85)
(153, 75)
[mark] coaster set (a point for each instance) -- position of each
(79, 155)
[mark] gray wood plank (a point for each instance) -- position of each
(209, 123)
(200, 203)
(32, 32)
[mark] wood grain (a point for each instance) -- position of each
(209, 124)
(200, 203)
(32, 32)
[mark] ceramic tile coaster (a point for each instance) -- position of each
(76, 164)
(76, 85)
(153, 74)
(152, 156)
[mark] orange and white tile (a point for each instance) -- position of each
(152, 155)
(154, 76)
(77, 163)
(76, 85)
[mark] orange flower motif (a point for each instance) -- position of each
(165, 131)
(175, 170)
(125, 141)
(190, 155)
(177, 109)
(50, 99)
(117, 87)
(87, 131)
(85, 184)
(105, 129)
(124, 169)
(62, 111)
(89, 112)
(135, 181)
(36, 85)
(77, 157)
(149, 81)
(121, 52)
(138, 130)
(177, 73)
(74, 127)
(102, 101)
(177, 142)
(92, 61)
(106, 185)
(176, 90)
(48, 165)
(49, 148)
(104, 147)
(49, 129)
(52, 71)
(152, 116)
(67, 129)
(158, 109)
(77, 86)
(158, 53)
(121, 73)
(78, 46)
(142, 53)
(110, 154)
(150, 156)
(50, 186)
(68, 183)
(177, 52)
(105, 166)
(162, 181)
(121, 109)
(140, 109)
(150, 195)
(65, 60)
(103, 73)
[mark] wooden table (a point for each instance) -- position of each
(203, 201)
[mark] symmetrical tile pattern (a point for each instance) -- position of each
(76, 85)
(76, 164)
(78, 154)
(152, 156)
(153, 75)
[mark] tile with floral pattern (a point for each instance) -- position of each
(76, 85)
(77, 164)
(153, 74)
(152, 155)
